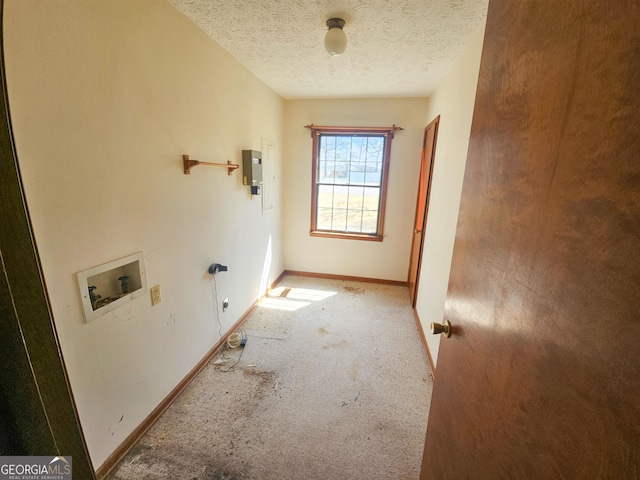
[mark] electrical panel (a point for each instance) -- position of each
(252, 170)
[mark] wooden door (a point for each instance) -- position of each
(541, 376)
(38, 415)
(422, 205)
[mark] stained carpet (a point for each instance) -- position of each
(333, 383)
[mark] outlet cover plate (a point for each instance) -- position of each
(156, 295)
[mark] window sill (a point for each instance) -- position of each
(346, 236)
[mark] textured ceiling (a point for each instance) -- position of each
(395, 48)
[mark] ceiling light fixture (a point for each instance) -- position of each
(335, 41)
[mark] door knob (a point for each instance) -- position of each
(445, 329)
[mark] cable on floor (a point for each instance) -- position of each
(236, 339)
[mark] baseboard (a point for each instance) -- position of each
(345, 277)
(432, 365)
(153, 417)
(275, 282)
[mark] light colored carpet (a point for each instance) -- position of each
(333, 384)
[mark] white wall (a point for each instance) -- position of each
(105, 97)
(388, 259)
(453, 101)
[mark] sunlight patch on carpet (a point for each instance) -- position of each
(292, 299)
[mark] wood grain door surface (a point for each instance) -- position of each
(541, 377)
(422, 205)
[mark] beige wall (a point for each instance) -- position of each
(105, 97)
(388, 259)
(453, 101)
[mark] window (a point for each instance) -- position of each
(350, 167)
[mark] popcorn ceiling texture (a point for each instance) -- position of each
(400, 48)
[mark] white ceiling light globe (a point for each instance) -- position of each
(335, 41)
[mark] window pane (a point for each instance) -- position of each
(326, 161)
(326, 172)
(359, 150)
(342, 172)
(325, 196)
(323, 218)
(340, 197)
(327, 148)
(374, 161)
(373, 175)
(343, 149)
(369, 223)
(371, 202)
(354, 221)
(339, 220)
(356, 177)
(371, 198)
(349, 175)
(376, 148)
(356, 195)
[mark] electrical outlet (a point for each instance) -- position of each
(225, 304)
(156, 296)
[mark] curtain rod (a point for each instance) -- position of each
(337, 129)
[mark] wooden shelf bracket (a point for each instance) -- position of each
(189, 164)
